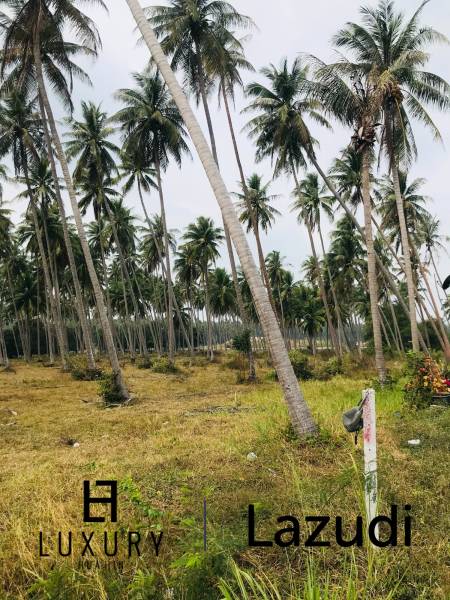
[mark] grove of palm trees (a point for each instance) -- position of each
(205, 258)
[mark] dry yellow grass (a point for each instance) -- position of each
(187, 436)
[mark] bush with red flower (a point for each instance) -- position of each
(426, 380)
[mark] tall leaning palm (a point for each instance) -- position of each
(194, 33)
(151, 125)
(298, 409)
(393, 51)
(33, 23)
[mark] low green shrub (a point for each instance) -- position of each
(325, 370)
(163, 365)
(110, 391)
(301, 365)
(80, 371)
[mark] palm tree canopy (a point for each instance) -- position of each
(392, 52)
(222, 294)
(279, 128)
(257, 194)
(20, 130)
(309, 201)
(413, 203)
(48, 19)
(152, 243)
(135, 170)
(150, 120)
(187, 266)
(204, 238)
(192, 30)
(41, 182)
(89, 143)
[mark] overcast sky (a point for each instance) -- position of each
(285, 28)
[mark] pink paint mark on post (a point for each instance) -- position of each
(370, 453)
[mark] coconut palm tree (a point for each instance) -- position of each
(257, 212)
(413, 203)
(313, 318)
(298, 409)
(204, 238)
(279, 127)
(392, 52)
(95, 171)
(152, 244)
(308, 205)
(151, 123)
(136, 171)
(264, 213)
(276, 274)
(416, 217)
(188, 272)
(222, 298)
(224, 63)
(352, 99)
(191, 33)
(31, 34)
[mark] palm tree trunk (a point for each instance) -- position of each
(371, 265)
(210, 352)
(128, 333)
(446, 345)
(107, 332)
(16, 314)
(81, 310)
(442, 337)
(299, 412)
(170, 328)
(3, 350)
(251, 212)
(403, 233)
(331, 329)
(398, 336)
(109, 309)
(435, 267)
(240, 301)
(50, 346)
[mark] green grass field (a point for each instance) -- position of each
(186, 436)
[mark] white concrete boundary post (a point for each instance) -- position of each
(370, 455)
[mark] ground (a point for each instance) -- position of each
(186, 436)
